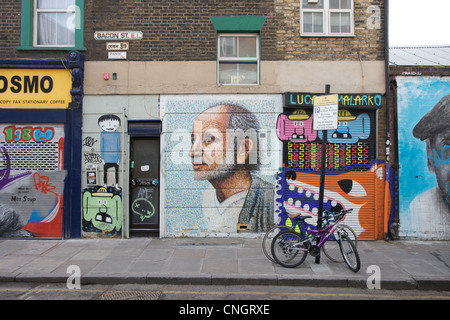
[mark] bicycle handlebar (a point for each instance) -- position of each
(336, 215)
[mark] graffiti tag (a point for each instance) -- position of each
(43, 184)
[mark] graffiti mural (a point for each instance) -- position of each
(102, 199)
(353, 175)
(31, 180)
(424, 151)
(348, 145)
(343, 190)
(221, 159)
(102, 210)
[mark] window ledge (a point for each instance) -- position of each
(51, 48)
(327, 35)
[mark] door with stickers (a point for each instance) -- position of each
(144, 186)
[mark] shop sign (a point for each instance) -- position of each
(35, 88)
(369, 101)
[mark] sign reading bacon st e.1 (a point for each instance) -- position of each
(118, 35)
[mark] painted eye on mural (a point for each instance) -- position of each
(209, 139)
(352, 188)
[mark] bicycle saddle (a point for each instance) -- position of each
(299, 216)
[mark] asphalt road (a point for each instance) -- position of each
(25, 291)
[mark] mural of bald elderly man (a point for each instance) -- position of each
(224, 151)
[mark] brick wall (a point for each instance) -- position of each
(173, 30)
(180, 30)
(367, 44)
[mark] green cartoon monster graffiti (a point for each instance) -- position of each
(102, 210)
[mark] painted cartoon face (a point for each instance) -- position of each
(296, 128)
(102, 209)
(350, 128)
(109, 125)
(439, 160)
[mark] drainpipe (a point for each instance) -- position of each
(386, 62)
(387, 205)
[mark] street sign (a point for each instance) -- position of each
(326, 112)
(111, 46)
(122, 55)
(118, 35)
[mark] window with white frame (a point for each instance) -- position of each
(238, 59)
(327, 18)
(54, 23)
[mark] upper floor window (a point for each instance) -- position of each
(52, 25)
(238, 49)
(238, 58)
(327, 18)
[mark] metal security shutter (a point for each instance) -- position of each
(351, 168)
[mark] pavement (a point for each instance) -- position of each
(402, 265)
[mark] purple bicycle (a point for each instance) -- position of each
(290, 248)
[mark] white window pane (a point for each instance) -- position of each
(334, 4)
(307, 22)
(335, 23)
(228, 47)
(318, 22)
(247, 47)
(346, 4)
(227, 72)
(340, 22)
(248, 74)
(340, 4)
(55, 29)
(55, 4)
(306, 5)
(345, 22)
(238, 73)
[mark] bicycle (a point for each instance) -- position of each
(331, 249)
(289, 248)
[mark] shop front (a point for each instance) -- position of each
(38, 143)
(354, 177)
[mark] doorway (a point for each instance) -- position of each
(144, 186)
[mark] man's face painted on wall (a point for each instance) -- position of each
(439, 161)
(209, 146)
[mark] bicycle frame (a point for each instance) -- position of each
(324, 234)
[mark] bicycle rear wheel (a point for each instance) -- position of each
(331, 247)
(287, 249)
(268, 237)
(349, 253)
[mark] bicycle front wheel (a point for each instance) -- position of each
(331, 247)
(288, 250)
(268, 237)
(349, 253)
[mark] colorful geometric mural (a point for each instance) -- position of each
(354, 178)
